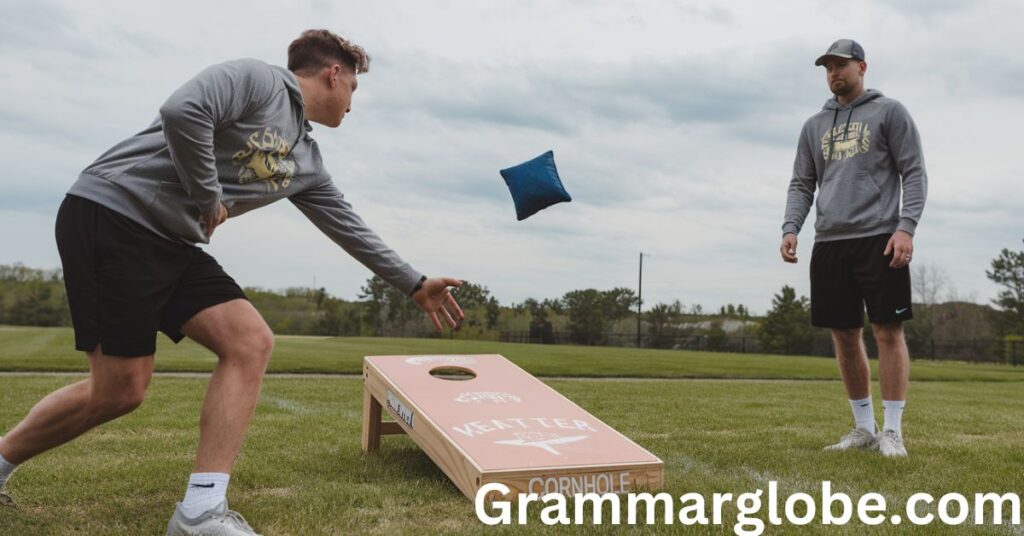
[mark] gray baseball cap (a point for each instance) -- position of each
(843, 48)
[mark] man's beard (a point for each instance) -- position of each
(842, 89)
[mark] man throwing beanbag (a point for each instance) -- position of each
(233, 139)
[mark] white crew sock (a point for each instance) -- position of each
(6, 468)
(205, 491)
(893, 415)
(864, 414)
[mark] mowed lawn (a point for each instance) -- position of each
(52, 349)
(302, 472)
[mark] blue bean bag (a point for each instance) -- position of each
(535, 185)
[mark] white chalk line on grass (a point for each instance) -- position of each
(291, 406)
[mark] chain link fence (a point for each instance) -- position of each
(1010, 352)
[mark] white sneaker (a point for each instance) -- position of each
(6, 500)
(218, 521)
(890, 444)
(859, 438)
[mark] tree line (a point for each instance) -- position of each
(36, 297)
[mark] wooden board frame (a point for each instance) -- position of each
(383, 394)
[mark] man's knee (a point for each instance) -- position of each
(263, 344)
(113, 401)
(252, 347)
(236, 332)
(117, 385)
(847, 338)
(888, 334)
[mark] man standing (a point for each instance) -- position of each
(232, 139)
(860, 152)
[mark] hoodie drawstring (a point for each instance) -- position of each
(846, 132)
(831, 138)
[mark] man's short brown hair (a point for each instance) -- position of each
(317, 49)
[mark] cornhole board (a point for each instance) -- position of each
(503, 425)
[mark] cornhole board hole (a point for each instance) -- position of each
(482, 419)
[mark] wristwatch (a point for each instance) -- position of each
(419, 285)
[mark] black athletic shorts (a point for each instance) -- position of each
(846, 275)
(124, 282)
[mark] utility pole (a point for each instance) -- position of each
(639, 299)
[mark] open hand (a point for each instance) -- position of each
(437, 301)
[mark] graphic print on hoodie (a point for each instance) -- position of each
(861, 158)
(236, 135)
(265, 158)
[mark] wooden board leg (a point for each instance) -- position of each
(371, 422)
(390, 428)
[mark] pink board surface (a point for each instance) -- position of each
(504, 418)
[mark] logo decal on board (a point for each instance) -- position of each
(542, 441)
(544, 433)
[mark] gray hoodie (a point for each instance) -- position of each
(861, 157)
(235, 134)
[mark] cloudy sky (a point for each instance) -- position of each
(673, 125)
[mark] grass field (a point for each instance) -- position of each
(301, 471)
(51, 349)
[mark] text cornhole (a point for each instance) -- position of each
(483, 419)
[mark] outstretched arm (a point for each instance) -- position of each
(327, 208)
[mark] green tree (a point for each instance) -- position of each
(662, 323)
(786, 329)
(618, 302)
(32, 297)
(716, 337)
(1008, 272)
(586, 319)
(387, 309)
(591, 311)
(478, 304)
(339, 317)
(541, 331)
